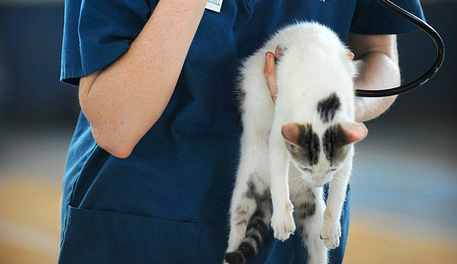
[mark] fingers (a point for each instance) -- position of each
(270, 70)
(278, 52)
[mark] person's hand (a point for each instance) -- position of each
(270, 70)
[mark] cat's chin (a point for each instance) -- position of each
(314, 182)
(318, 183)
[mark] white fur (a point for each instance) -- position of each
(313, 66)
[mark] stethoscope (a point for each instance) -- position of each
(427, 75)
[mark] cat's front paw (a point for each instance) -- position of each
(282, 221)
(331, 232)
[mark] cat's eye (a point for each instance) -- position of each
(306, 169)
(332, 170)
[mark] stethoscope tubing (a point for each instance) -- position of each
(424, 78)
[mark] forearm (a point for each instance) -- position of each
(125, 99)
(378, 70)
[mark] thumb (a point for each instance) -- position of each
(270, 73)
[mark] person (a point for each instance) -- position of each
(152, 161)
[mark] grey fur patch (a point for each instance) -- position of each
(255, 235)
(240, 210)
(305, 207)
(334, 143)
(242, 222)
(307, 148)
(241, 96)
(328, 107)
(305, 210)
(251, 192)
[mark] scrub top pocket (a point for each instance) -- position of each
(95, 236)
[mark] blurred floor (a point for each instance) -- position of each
(374, 243)
(29, 221)
(31, 167)
(409, 170)
(403, 196)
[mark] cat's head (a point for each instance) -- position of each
(319, 157)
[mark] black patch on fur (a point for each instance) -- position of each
(334, 142)
(258, 214)
(309, 142)
(259, 225)
(305, 210)
(235, 258)
(328, 107)
(255, 235)
(248, 249)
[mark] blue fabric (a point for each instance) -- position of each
(168, 202)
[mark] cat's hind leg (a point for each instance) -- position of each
(250, 211)
(249, 222)
(242, 208)
(308, 214)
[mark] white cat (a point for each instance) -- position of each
(292, 147)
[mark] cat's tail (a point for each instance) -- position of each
(256, 231)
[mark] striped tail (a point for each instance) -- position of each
(256, 231)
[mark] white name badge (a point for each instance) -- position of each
(214, 5)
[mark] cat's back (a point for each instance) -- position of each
(314, 65)
(307, 35)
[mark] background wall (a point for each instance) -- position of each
(405, 176)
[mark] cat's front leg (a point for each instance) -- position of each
(331, 230)
(282, 220)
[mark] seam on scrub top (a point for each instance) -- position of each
(79, 173)
(248, 4)
(199, 242)
(67, 203)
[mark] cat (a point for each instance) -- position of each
(292, 147)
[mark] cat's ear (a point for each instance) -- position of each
(351, 64)
(354, 132)
(291, 132)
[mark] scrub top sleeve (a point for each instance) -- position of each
(373, 18)
(96, 33)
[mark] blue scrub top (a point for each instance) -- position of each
(169, 201)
